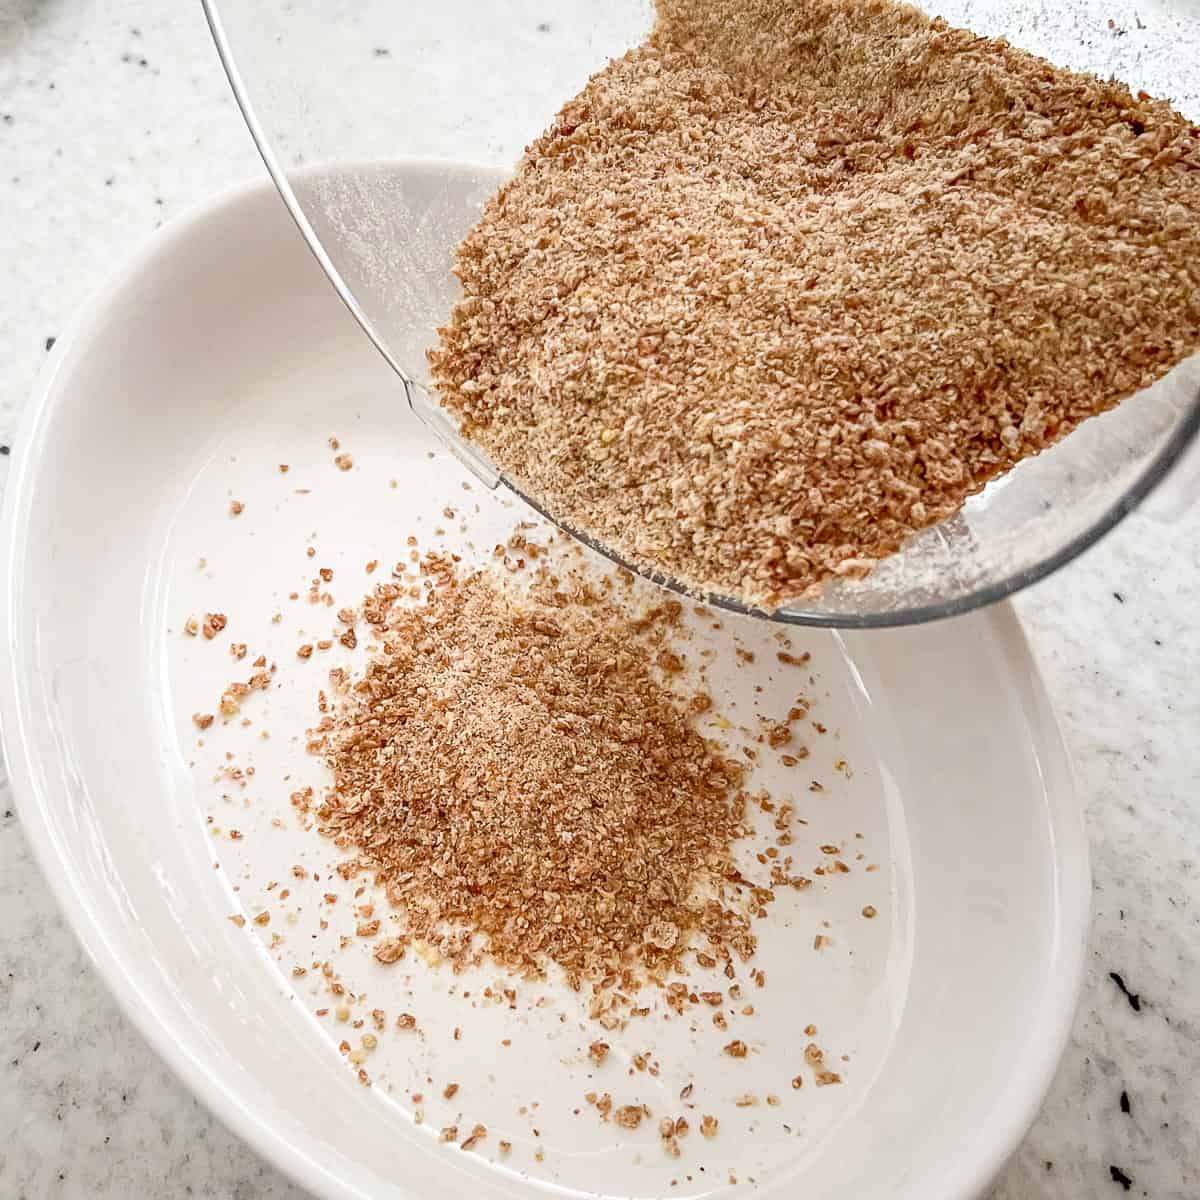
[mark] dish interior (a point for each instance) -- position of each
(223, 355)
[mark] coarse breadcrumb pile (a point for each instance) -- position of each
(791, 280)
(514, 768)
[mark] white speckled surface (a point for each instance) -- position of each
(113, 117)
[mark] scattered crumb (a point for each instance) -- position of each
(478, 1133)
(213, 624)
(629, 1116)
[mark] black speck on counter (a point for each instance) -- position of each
(1118, 598)
(1135, 1001)
(543, 27)
(1125, 1103)
(110, 181)
(1119, 1176)
(7, 118)
(50, 342)
(5, 450)
(382, 52)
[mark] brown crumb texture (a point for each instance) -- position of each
(213, 624)
(791, 280)
(629, 1116)
(513, 770)
(477, 1134)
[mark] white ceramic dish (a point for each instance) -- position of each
(221, 354)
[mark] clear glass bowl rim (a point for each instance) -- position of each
(1186, 430)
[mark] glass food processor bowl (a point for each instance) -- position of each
(387, 125)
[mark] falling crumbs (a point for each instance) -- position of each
(792, 280)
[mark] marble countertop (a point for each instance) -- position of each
(114, 116)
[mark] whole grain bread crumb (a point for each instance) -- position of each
(525, 788)
(478, 1133)
(708, 1126)
(791, 280)
(390, 950)
(629, 1116)
(213, 624)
